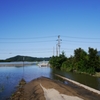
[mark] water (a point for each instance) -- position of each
(10, 77)
(85, 79)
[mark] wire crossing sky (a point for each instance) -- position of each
(31, 27)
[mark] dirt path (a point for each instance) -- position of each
(34, 91)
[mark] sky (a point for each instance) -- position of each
(31, 27)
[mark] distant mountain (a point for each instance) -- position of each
(25, 58)
(98, 53)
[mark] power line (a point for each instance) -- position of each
(26, 52)
(27, 38)
(49, 37)
(80, 37)
(13, 38)
(31, 49)
(82, 42)
(34, 51)
(29, 42)
(79, 41)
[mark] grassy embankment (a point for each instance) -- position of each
(97, 74)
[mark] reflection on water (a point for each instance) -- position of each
(10, 77)
(85, 79)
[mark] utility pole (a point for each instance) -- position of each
(59, 41)
(23, 66)
(56, 49)
(53, 51)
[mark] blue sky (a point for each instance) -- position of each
(31, 27)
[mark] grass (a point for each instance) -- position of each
(97, 74)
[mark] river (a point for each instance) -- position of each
(10, 77)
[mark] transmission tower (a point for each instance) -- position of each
(58, 45)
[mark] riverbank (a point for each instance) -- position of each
(97, 74)
(79, 84)
(44, 88)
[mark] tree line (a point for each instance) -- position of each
(81, 61)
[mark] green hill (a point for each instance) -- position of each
(25, 58)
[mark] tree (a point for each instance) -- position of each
(93, 58)
(79, 54)
(56, 61)
(68, 64)
(80, 59)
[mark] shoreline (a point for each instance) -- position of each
(79, 84)
(97, 74)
